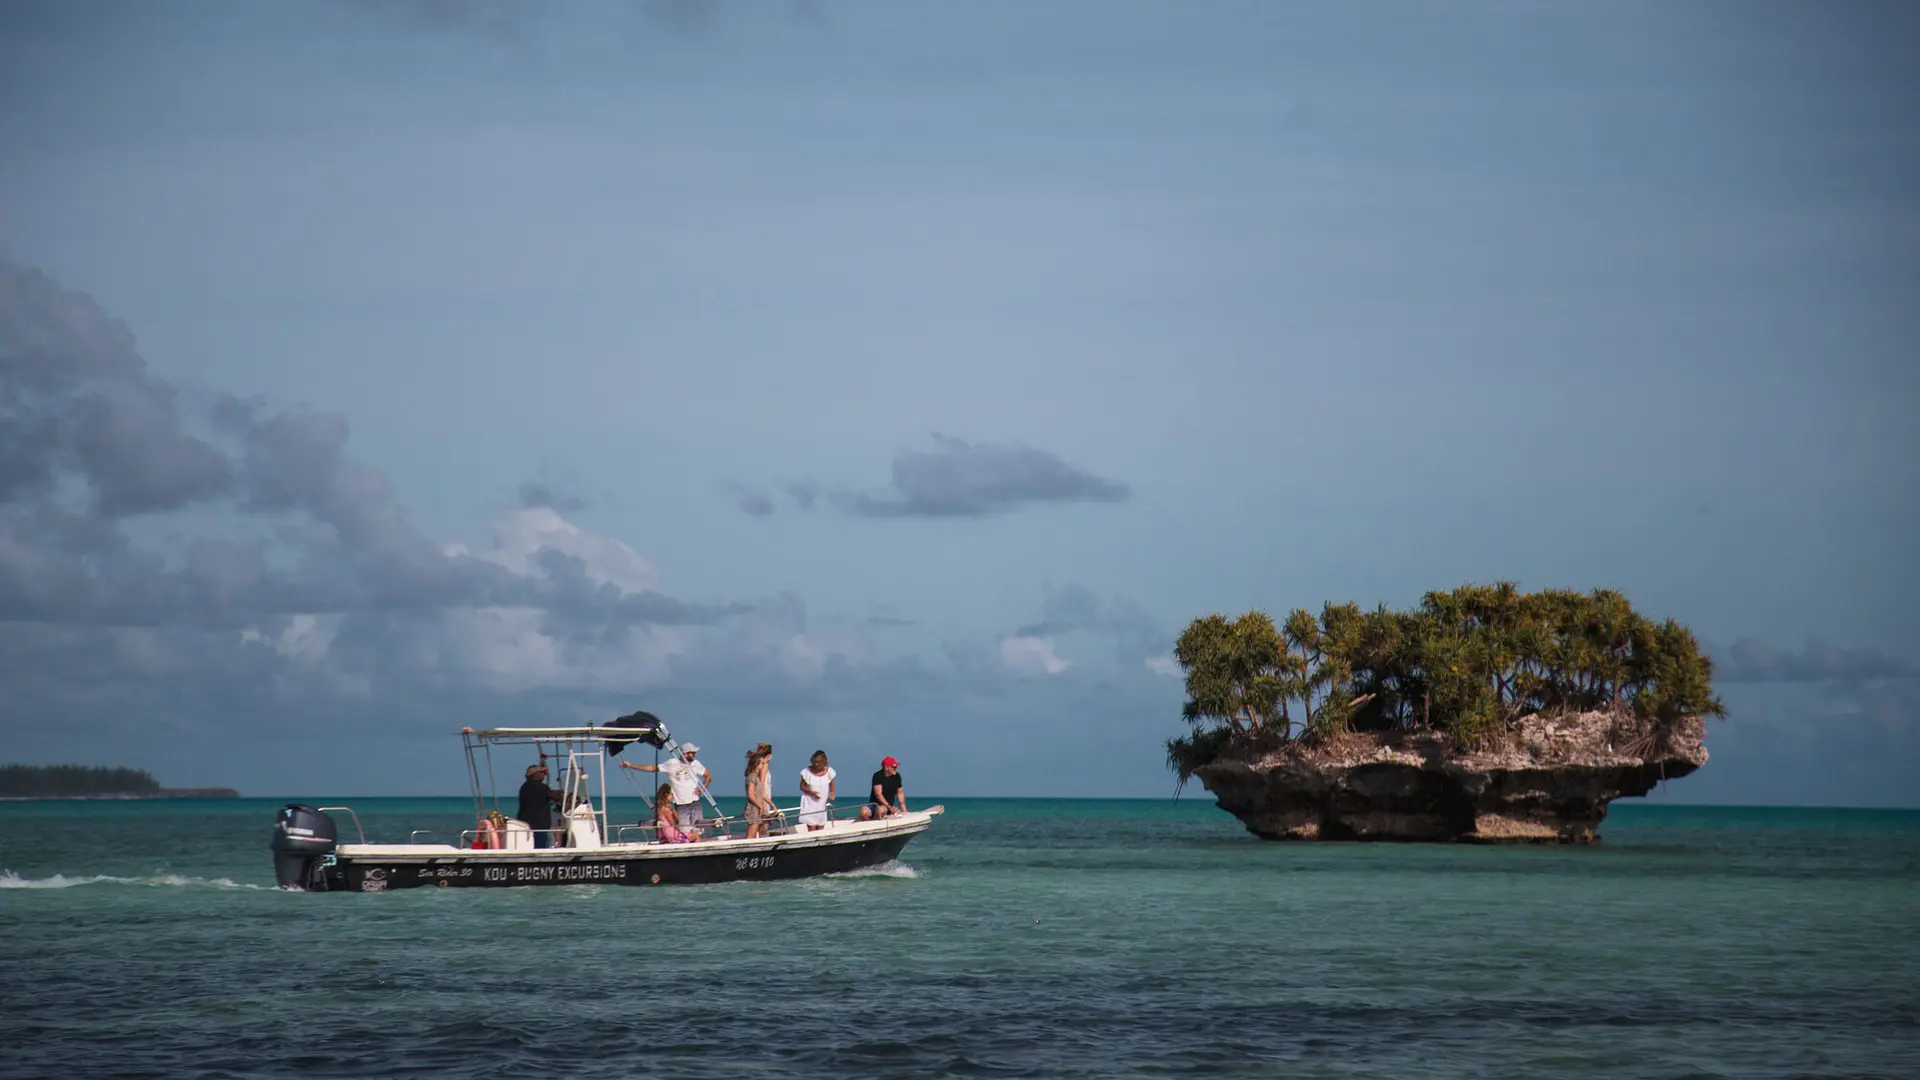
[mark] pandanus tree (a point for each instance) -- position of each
(1237, 671)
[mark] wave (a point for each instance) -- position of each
(11, 880)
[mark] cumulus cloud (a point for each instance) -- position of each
(1135, 634)
(537, 539)
(1031, 655)
(1163, 665)
(76, 399)
(1752, 661)
(299, 568)
(957, 479)
(199, 572)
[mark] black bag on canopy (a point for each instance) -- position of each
(647, 728)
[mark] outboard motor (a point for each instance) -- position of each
(301, 837)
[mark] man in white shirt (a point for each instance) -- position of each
(687, 776)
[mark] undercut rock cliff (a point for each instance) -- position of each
(1547, 781)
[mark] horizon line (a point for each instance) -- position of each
(1628, 801)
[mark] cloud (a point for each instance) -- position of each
(1076, 609)
(1031, 655)
(538, 538)
(185, 574)
(751, 501)
(1752, 661)
(1163, 665)
(535, 493)
(76, 399)
(805, 493)
(1812, 744)
(280, 522)
(957, 478)
(962, 479)
(516, 21)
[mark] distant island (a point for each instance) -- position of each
(93, 782)
(1486, 714)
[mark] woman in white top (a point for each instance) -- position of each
(816, 791)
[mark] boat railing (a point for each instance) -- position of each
(470, 836)
(787, 818)
(644, 827)
(708, 828)
(348, 810)
(465, 837)
(785, 822)
(730, 826)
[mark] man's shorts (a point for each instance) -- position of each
(687, 815)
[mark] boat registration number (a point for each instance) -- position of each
(753, 862)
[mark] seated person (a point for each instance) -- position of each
(887, 795)
(667, 822)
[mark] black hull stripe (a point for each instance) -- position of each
(379, 874)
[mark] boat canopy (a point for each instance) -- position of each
(616, 734)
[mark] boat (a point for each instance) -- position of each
(592, 844)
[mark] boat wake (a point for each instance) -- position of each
(11, 880)
(894, 869)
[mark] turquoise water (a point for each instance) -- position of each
(1017, 938)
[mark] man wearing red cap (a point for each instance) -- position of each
(887, 795)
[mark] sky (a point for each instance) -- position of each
(900, 378)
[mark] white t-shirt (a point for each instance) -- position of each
(822, 783)
(685, 776)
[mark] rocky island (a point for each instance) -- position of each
(1485, 715)
(93, 782)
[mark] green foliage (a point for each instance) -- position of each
(1469, 662)
(1236, 670)
(1189, 752)
(42, 780)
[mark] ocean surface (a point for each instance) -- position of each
(1017, 938)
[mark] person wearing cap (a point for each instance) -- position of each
(537, 801)
(687, 776)
(887, 795)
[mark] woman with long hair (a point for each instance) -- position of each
(666, 822)
(760, 809)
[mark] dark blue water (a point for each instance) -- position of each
(1017, 938)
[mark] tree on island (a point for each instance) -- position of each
(1468, 663)
(57, 780)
